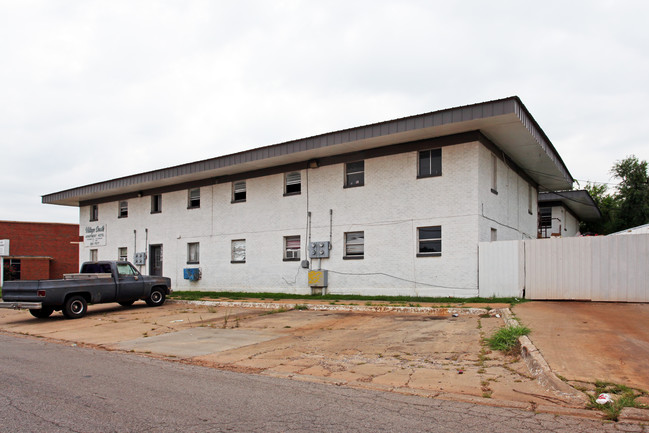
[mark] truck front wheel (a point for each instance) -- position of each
(42, 313)
(156, 297)
(75, 307)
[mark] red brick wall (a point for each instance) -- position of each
(43, 239)
(34, 269)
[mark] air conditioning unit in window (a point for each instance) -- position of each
(293, 254)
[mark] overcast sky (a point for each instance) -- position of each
(94, 90)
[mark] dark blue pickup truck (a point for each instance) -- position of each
(97, 283)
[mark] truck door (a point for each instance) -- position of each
(129, 282)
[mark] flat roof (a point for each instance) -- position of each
(579, 202)
(506, 122)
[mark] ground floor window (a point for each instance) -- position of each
(122, 254)
(291, 248)
(429, 241)
(354, 245)
(238, 251)
(11, 269)
(94, 254)
(193, 253)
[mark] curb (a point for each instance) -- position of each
(540, 369)
(439, 311)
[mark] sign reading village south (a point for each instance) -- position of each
(95, 236)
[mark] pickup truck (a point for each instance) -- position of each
(97, 283)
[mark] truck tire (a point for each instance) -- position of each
(75, 307)
(156, 297)
(42, 313)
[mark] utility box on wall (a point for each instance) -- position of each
(319, 250)
(192, 274)
(318, 278)
(139, 259)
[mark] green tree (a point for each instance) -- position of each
(628, 205)
(608, 206)
(632, 192)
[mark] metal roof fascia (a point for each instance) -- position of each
(437, 118)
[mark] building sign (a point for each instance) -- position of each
(4, 247)
(95, 236)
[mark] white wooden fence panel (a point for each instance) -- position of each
(503, 274)
(611, 268)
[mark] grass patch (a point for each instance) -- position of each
(622, 396)
(195, 296)
(506, 339)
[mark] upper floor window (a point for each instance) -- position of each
(156, 203)
(530, 201)
(238, 191)
(430, 163)
(123, 209)
(292, 183)
(494, 174)
(194, 198)
(94, 255)
(355, 174)
(94, 212)
(291, 248)
(192, 253)
(354, 245)
(429, 241)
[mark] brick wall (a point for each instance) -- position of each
(389, 209)
(43, 240)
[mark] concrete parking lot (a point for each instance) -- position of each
(414, 353)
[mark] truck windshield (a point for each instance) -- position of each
(125, 270)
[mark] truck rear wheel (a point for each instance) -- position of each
(42, 313)
(75, 307)
(156, 297)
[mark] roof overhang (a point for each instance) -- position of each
(506, 122)
(579, 202)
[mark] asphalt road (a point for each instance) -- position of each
(57, 388)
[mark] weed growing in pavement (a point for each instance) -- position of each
(369, 303)
(279, 310)
(506, 339)
(622, 397)
(301, 307)
(212, 309)
(226, 318)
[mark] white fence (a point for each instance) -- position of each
(601, 268)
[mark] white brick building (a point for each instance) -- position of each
(404, 204)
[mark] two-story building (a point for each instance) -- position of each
(396, 207)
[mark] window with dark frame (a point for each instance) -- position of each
(545, 217)
(494, 174)
(193, 253)
(194, 198)
(122, 254)
(238, 191)
(11, 269)
(293, 183)
(291, 248)
(354, 245)
(123, 209)
(94, 255)
(238, 251)
(429, 241)
(94, 212)
(156, 203)
(430, 163)
(354, 174)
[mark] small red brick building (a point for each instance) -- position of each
(38, 251)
